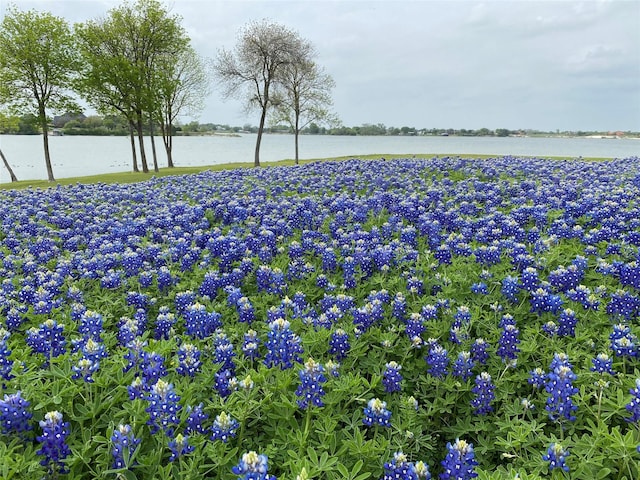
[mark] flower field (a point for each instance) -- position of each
(409, 319)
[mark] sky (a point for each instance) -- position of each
(544, 65)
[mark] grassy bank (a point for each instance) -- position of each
(131, 177)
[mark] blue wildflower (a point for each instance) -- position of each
(283, 345)
(376, 413)
(339, 344)
(124, 444)
(14, 416)
(224, 427)
(556, 456)
(250, 345)
(483, 391)
(438, 361)
(253, 467)
(633, 407)
(310, 390)
(196, 419)
(163, 407)
(462, 366)
(53, 442)
(401, 469)
(602, 363)
(459, 463)
(179, 446)
(559, 386)
(479, 352)
(391, 377)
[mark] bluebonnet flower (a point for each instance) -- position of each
(253, 467)
(250, 345)
(128, 330)
(179, 446)
(199, 323)
(530, 280)
(90, 324)
(567, 323)
(391, 377)
(438, 361)
(559, 386)
(283, 345)
(53, 442)
(48, 340)
(459, 463)
(6, 365)
(480, 288)
(188, 360)
(550, 328)
(462, 366)
(508, 342)
(483, 390)
(633, 407)
(479, 352)
(245, 310)
(602, 363)
(399, 306)
(415, 285)
(14, 416)
(224, 427)
(537, 377)
(164, 323)
(400, 468)
(339, 344)
(376, 413)
(223, 352)
(443, 255)
(556, 456)
(414, 328)
(623, 342)
(310, 390)
(165, 279)
(196, 419)
(225, 383)
(123, 440)
(163, 407)
(85, 368)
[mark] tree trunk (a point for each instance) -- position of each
(297, 132)
(167, 139)
(133, 147)
(45, 138)
(143, 156)
(8, 167)
(153, 146)
(256, 161)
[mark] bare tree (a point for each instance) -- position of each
(256, 65)
(304, 95)
(183, 85)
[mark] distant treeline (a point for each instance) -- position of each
(79, 124)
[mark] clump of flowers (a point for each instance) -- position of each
(401, 468)
(459, 464)
(253, 467)
(376, 413)
(484, 395)
(123, 440)
(556, 456)
(310, 389)
(53, 446)
(14, 416)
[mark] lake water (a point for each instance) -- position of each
(73, 156)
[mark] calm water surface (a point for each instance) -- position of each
(80, 155)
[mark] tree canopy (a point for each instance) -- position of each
(257, 64)
(38, 63)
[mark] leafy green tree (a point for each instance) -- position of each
(38, 62)
(123, 53)
(252, 71)
(304, 93)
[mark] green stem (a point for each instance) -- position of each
(307, 425)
